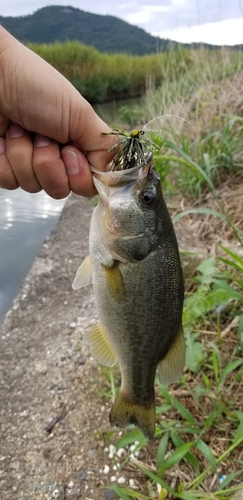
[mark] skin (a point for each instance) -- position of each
(48, 132)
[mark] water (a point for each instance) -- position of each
(25, 221)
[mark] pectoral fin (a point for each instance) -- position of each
(115, 282)
(171, 367)
(99, 346)
(84, 274)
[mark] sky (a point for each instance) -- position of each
(211, 21)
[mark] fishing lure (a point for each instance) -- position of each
(134, 148)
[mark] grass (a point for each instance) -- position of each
(190, 90)
(211, 157)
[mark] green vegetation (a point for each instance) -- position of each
(100, 77)
(198, 450)
(164, 76)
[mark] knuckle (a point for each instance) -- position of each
(42, 164)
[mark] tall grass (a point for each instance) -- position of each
(101, 77)
(198, 69)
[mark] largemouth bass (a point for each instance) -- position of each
(135, 269)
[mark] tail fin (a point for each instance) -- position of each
(124, 412)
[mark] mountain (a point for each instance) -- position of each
(106, 33)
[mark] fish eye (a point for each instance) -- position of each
(148, 197)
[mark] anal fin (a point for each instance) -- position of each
(99, 346)
(172, 365)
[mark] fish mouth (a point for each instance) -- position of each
(119, 178)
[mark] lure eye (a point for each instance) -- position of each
(148, 197)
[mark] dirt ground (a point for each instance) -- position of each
(55, 440)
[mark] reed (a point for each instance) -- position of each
(100, 76)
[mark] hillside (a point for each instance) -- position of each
(106, 33)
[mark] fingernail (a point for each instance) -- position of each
(71, 161)
(2, 145)
(16, 131)
(41, 140)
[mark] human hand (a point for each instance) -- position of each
(48, 132)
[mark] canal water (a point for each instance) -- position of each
(25, 221)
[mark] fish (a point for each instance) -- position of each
(134, 266)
